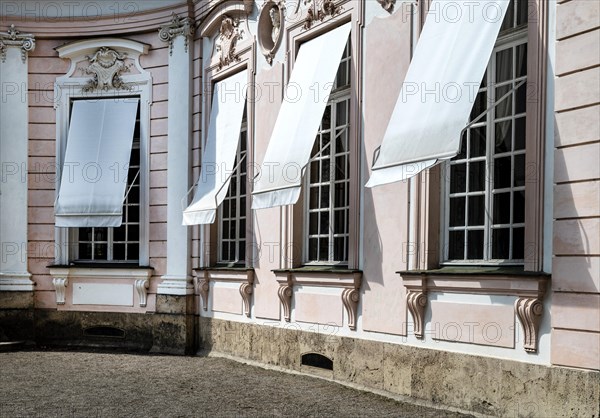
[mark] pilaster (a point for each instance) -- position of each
(14, 119)
(178, 34)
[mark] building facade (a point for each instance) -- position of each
(398, 195)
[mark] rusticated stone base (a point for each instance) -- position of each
(476, 384)
(16, 316)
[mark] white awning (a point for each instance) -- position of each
(440, 87)
(298, 120)
(218, 156)
(96, 164)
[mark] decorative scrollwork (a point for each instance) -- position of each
(60, 284)
(416, 302)
(229, 34)
(285, 296)
(106, 66)
(142, 285)
(529, 311)
(177, 27)
(14, 38)
(246, 291)
(388, 5)
(319, 11)
(350, 298)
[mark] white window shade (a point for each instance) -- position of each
(96, 163)
(440, 88)
(218, 157)
(298, 120)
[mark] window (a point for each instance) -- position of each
(485, 188)
(327, 199)
(120, 244)
(232, 212)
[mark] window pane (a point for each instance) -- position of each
(502, 172)
(462, 153)
(325, 170)
(324, 227)
(521, 99)
(457, 211)
(340, 168)
(477, 142)
(480, 106)
(100, 252)
(340, 222)
(521, 58)
(341, 115)
(340, 195)
(522, 12)
(518, 243)
(456, 245)
(323, 249)
(326, 121)
(519, 207)
(133, 252)
(313, 223)
(325, 140)
(477, 176)
(501, 208)
(476, 210)
(85, 251)
(339, 249)
(504, 65)
(242, 250)
(507, 23)
(325, 197)
(313, 248)
(119, 252)
(224, 250)
(85, 234)
(313, 200)
(458, 178)
(101, 234)
(519, 170)
(519, 134)
(503, 108)
(500, 243)
(119, 233)
(475, 245)
(503, 137)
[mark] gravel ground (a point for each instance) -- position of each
(76, 384)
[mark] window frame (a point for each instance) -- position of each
(68, 88)
(512, 39)
(74, 237)
(294, 218)
(247, 196)
(429, 185)
(338, 95)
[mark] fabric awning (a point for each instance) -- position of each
(440, 88)
(96, 164)
(298, 121)
(218, 157)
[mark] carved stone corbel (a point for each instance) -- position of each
(203, 288)
(177, 27)
(416, 302)
(529, 311)
(13, 38)
(60, 284)
(142, 285)
(246, 291)
(388, 5)
(285, 293)
(350, 298)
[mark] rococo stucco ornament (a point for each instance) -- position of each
(270, 28)
(319, 10)
(229, 34)
(106, 65)
(388, 5)
(13, 38)
(177, 27)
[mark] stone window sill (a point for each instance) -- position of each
(528, 287)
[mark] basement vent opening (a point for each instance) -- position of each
(317, 360)
(110, 332)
